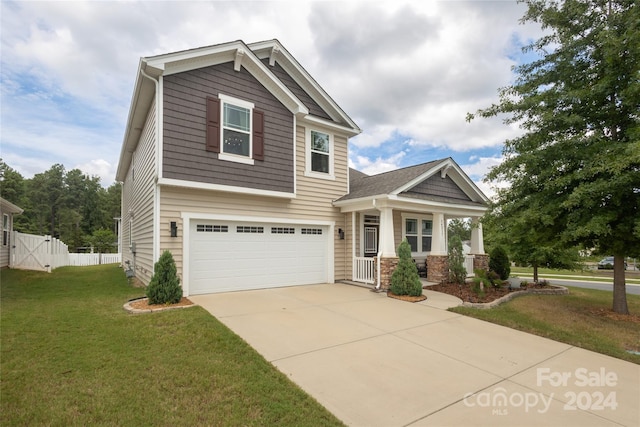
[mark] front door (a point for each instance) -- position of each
(370, 240)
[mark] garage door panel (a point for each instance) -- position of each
(255, 255)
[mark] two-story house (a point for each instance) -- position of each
(235, 160)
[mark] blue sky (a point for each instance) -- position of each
(407, 72)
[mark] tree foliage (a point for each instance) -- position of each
(499, 262)
(459, 227)
(405, 279)
(69, 205)
(164, 287)
(457, 271)
(575, 171)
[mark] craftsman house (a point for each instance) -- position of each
(235, 160)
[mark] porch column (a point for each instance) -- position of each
(387, 243)
(439, 237)
(438, 260)
(480, 259)
(477, 239)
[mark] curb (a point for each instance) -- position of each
(558, 290)
(127, 307)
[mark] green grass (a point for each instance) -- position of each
(583, 319)
(70, 355)
(604, 276)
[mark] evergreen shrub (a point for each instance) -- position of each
(499, 262)
(405, 279)
(164, 287)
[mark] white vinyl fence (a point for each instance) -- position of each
(45, 253)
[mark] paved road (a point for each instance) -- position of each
(632, 289)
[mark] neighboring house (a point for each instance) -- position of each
(236, 161)
(7, 211)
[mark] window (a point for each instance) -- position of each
(419, 238)
(411, 233)
(319, 154)
(283, 230)
(316, 231)
(208, 228)
(235, 130)
(247, 229)
(5, 230)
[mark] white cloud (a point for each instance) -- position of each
(403, 70)
(378, 165)
(478, 170)
(99, 167)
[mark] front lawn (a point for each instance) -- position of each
(70, 355)
(583, 318)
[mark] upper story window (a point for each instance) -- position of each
(319, 154)
(235, 130)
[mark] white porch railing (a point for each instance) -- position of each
(468, 264)
(364, 270)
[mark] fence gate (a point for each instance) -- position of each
(31, 252)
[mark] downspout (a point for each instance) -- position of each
(378, 282)
(156, 191)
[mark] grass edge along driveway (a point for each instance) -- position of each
(583, 318)
(70, 355)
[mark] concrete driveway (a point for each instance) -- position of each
(376, 361)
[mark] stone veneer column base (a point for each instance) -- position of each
(438, 268)
(387, 267)
(480, 262)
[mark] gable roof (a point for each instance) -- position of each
(249, 57)
(439, 180)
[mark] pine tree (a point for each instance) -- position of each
(164, 287)
(405, 279)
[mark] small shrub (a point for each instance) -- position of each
(480, 281)
(457, 272)
(164, 287)
(499, 262)
(405, 279)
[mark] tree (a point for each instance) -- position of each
(576, 168)
(102, 240)
(499, 263)
(459, 227)
(164, 287)
(457, 272)
(405, 279)
(512, 227)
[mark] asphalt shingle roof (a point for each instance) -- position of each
(362, 185)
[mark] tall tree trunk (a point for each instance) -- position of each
(619, 286)
(535, 273)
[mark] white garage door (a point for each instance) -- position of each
(230, 256)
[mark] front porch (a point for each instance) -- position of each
(429, 245)
(415, 204)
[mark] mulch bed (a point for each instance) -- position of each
(407, 297)
(143, 304)
(466, 294)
